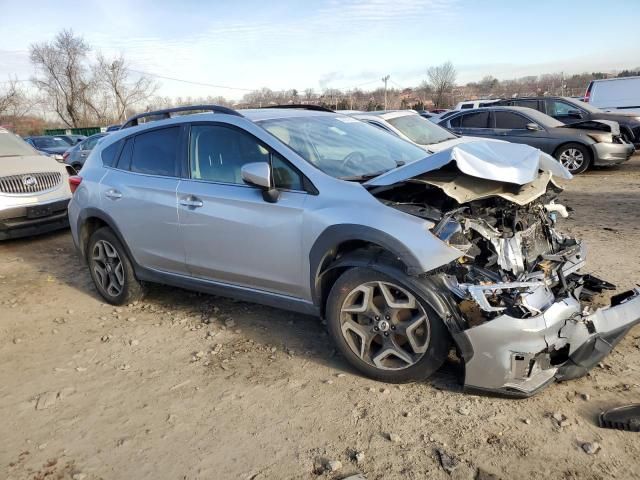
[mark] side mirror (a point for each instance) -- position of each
(575, 113)
(533, 127)
(258, 174)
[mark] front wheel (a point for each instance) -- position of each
(575, 157)
(384, 329)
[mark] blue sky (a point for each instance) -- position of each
(331, 43)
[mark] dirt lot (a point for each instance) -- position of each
(189, 386)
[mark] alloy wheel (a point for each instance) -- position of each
(108, 268)
(572, 159)
(384, 325)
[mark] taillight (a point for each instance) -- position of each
(587, 94)
(74, 182)
(65, 155)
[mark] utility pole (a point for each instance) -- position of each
(385, 79)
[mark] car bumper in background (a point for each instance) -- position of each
(22, 221)
(518, 357)
(612, 153)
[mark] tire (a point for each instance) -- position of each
(574, 156)
(77, 167)
(402, 349)
(111, 269)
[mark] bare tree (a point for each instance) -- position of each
(14, 100)
(309, 94)
(442, 80)
(9, 96)
(62, 75)
(112, 78)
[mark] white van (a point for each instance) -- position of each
(615, 94)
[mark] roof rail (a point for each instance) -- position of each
(166, 113)
(316, 108)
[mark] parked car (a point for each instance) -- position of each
(34, 190)
(402, 252)
(576, 146)
(113, 128)
(72, 139)
(572, 110)
(469, 104)
(620, 95)
(410, 126)
(53, 146)
(76, 155)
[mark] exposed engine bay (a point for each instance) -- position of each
(510, 250)
(528, 315)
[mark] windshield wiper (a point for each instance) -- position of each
(369, 176)
(365, 176)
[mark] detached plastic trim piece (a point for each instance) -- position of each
(622, 418)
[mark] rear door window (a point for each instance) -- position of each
(156, 152)
(475, 120)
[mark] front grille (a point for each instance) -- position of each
(30, 182)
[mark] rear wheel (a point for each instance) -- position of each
(575, 157)
(384, 329)
(111, 268)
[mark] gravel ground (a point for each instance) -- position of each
(189, 386)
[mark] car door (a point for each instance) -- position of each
(474, 124)
(230, 233)
(517, 128)
(139, 195)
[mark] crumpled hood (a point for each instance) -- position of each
(600, 125)
(495, 161)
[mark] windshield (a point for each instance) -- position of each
(50, 142)
(341, 146)
(420, 130)
(13, 146)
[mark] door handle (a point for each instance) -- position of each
(191, 201)
(113, 194)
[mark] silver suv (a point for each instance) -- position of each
(405, 254)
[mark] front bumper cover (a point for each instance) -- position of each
(520, 356)
(612, 153)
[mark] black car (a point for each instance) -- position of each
(576, 146)
(54, 146)
(571, 110)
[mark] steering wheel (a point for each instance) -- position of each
(352, 157)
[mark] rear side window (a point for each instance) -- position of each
(465, 106)
(109, 154)
(472, 120)
(156, 152)
(511, 121)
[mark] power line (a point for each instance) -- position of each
(203, 84)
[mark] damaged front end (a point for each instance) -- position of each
(525, 315)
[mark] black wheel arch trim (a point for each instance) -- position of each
(325, 247)
(90, 212)
(430, 287)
